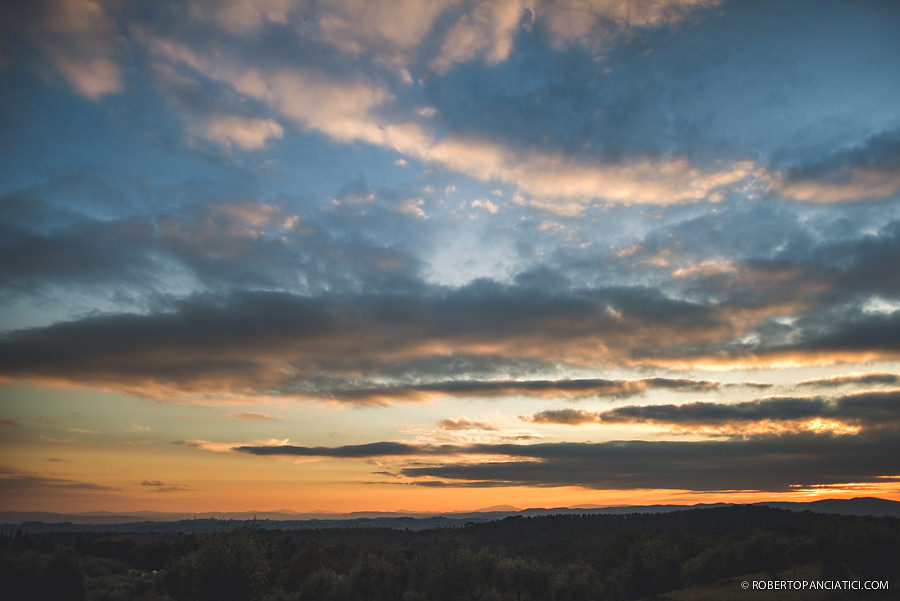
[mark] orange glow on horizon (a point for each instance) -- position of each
(344, 497)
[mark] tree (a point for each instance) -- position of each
(227, 567)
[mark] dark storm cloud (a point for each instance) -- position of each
(768, 463)
(869, 410)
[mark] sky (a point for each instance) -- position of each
(442, 255)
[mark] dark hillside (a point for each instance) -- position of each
(684, 554)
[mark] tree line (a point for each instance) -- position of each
(547, 558)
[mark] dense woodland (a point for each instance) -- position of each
(549, 558)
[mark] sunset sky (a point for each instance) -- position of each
(440, 255)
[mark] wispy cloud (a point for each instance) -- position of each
(17, 484)
(250, 415)
(882, 379)
(163, 487)
(228, 447)
(463, 424)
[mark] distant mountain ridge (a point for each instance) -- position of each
(858, 506)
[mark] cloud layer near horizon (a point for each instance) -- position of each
(764, 463)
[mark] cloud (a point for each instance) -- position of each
(571, 417)
(352, 106)
(412, 207)
(81, 39)
(10, 422)
(804, 306)
(345, 91)
(206, 445)
(243, 16)
(484, 205)
(264, 343)
(15, 483)
(847, 414)
(705, 269)
(391, 29)
(883, 379)
(463, 424)
(766, 463)
(357, 108)
(487, 31)
(78, 251)
(250, 415)
(247, 133)
(566, 388)
(834, 326)
(397, 31)
(219, 246)
(360, 451)
(159, 486)
(219, 118)
(355, 192)
(568, 186)
(340, 106)
(595, 23)
(870, 170)
(746, 283)
(851, 185)
(228, 447)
